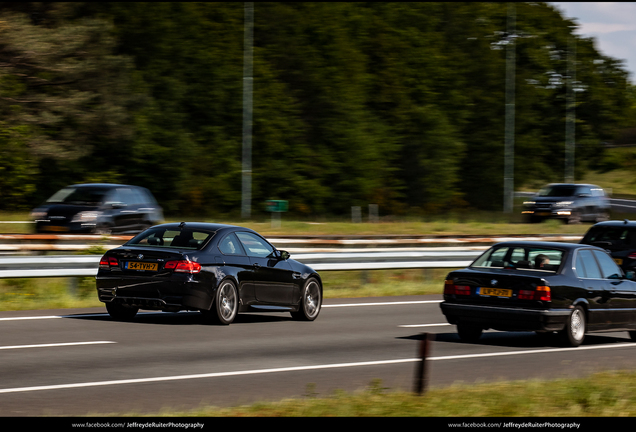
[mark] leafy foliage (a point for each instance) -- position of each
(396, 104)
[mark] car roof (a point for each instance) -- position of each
(614, 223)
(574, 184)
(545, 244)
(207, 226)
(100, 185)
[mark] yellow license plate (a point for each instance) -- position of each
(618, 261)
(55, 228)
(544, 213)
(142, 266)
(497, 292)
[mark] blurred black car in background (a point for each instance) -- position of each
(616, 237)
(100, 208)
(572, 203)
(220, 270)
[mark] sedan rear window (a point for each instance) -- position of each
(521, 257)
(175, 239)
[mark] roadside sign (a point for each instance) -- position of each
(276, 206)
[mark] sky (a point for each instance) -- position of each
(612, 24)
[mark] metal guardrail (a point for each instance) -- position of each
(344, 252)
(86, 265)
(11, 244)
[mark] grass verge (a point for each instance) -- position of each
(603, 394)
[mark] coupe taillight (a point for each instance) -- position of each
(183, 266)
(107, 262)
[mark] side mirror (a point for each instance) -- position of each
(284, 255)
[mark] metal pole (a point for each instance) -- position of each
(246, 201)
(421, 375)
(570, 112)
(509, 135)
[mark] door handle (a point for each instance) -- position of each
(256, 265)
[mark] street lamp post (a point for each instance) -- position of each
(509, 134)
(246, 200)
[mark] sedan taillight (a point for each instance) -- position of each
(183, 266)
(451, 289)
(542, 293)
(107, 262)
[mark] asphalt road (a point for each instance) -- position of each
(80, 362)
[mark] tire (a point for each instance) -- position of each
(310, 302)
(574, 219)
(632, 335)
(469, 333)
(121, 312)
(602, 217)
(103, 230)
(225, 306)
(575, 327)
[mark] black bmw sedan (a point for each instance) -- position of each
(570, 289)
(220, 270)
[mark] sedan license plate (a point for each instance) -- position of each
(543, 213)
(496, 292)
(131, 265)
(618, 261)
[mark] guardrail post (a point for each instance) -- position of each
(73, 283)
(421, 370)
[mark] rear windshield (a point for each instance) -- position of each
(172, 238)
(616, 236)
(521, 257)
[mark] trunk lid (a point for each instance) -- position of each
(496, 288)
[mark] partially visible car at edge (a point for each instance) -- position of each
(579, 289)
(100, 208)
(572, 203)
(219, 270)
(618, 238)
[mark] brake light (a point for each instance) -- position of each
(542, 293)
(183, 266)
(632, 256)
(107, 262)
(451, 289)
(525, 295)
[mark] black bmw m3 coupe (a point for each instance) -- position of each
(220, 270)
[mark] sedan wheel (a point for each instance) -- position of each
(574, 331)
(310, 303)
(225, 305)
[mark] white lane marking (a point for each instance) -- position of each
(200, 376)
(300, 368)
(324, 306)
(424, 325)
(55, 345)
(381, 303)
(538, 351)
(29, 318)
